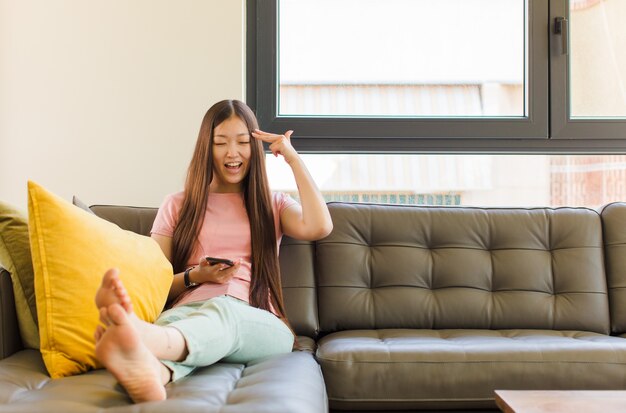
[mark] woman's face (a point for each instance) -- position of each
(231, 155)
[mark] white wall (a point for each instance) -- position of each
(103, 99)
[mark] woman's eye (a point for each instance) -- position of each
(244, 142)
(219, 144)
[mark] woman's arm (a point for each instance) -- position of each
(203, 272)
(178, 284)
(310, 220)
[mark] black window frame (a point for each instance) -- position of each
(562, 126)
(547, 129)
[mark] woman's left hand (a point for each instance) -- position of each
(279, 144)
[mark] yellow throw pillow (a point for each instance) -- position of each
(71, 250)
(15, 258)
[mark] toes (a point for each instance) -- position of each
(104, 316)
(117, 314)
(97, 335)
(109, 277)
(122, 296)
(119, 286)
(127, 304)
(112, 291)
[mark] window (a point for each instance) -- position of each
(444, 76)
(486, 180)
(589, 70)
(519, 103)
(397, 58)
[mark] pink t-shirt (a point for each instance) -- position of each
(225, 233)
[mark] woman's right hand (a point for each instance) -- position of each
(218, 273)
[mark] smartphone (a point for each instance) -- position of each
(213, 261)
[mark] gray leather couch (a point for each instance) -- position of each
(402, 308)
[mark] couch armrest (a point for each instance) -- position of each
(10, 341)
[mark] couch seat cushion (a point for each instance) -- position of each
(287, 383)
(399, 368)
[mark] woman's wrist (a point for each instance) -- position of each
(189, 277)
(293, 159)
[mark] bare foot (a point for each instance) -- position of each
(122, 352)
(112, 291)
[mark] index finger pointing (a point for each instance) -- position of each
(265, 136)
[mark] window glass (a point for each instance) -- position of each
(398, 58)
(483, 180)
(597, 58)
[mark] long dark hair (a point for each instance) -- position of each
(265, 282)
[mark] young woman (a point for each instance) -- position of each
(218, 311)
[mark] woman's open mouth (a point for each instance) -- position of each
(233, 166)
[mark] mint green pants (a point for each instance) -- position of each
(227, 329)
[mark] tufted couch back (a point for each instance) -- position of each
(388, 266)
(613, 224)
(454, 267)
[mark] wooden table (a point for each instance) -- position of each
(553, 401)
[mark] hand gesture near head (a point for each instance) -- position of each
(310, 220)
(279, 144)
